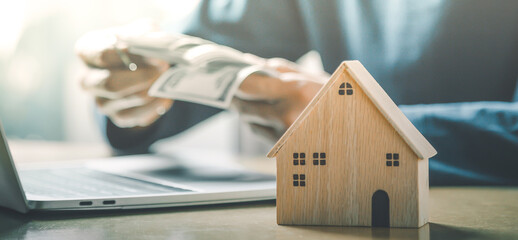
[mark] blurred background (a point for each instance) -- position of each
(40, 94)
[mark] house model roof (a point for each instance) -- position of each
(415, 140)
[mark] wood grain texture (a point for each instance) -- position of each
(355, 136)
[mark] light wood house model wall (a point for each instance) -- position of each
(352, 158)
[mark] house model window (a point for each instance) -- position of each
(299, 180)
(345, 88)
(392, 159)
(321, 160)
(299, 158)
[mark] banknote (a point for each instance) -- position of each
(213, 84)
(202, 71)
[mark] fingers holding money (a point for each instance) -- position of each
(123, 96)
(277, 114)
(271, 104)
(282, 65)
(111, 106)
(141, 116)
(262, 87)
(112, 57)
(120, 89)
(284, 86)
(258, 112)
(261, 117)
(102, 48)
(117, 83)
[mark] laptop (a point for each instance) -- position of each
(129, 182)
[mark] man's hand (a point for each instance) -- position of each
(119, 92)
(271, 104)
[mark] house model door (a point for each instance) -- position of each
(380, 209)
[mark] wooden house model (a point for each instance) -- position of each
(352, 158)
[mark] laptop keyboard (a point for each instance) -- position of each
(86, 183)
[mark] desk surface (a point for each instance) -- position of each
(456, 213)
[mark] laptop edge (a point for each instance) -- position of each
(15, 198)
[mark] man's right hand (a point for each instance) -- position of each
(121, 94)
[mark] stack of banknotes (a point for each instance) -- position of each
(201, 71)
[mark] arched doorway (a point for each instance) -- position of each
(380, 209)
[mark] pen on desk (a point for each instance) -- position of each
(125, 58)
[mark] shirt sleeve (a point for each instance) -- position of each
(179, 118)
(264, 28)
(477, 142)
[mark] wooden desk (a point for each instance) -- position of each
(456, 213)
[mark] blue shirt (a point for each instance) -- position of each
(451, 66)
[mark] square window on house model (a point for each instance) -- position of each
(319, 158)
(392, 159)
(299, 159)
(299, 180)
